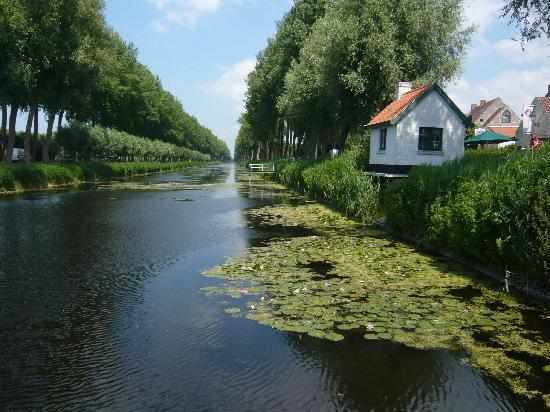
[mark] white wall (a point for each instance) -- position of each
(402, 142)
(378, 157)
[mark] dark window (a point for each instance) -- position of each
(506, 117)
(430, 139)
(383, 137)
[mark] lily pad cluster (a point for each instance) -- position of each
(346, 279)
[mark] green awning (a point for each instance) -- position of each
(487, 137)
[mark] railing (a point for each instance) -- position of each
(261, 167)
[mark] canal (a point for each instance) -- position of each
(102, 308)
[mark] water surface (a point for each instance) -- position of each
(101, 308)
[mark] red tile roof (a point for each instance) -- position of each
(508, 131)
(478, 110)
(397, 107)
(546, 106)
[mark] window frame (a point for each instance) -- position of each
(383, 139)
(508, 114)
(423, 147)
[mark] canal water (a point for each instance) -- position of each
(101, 309)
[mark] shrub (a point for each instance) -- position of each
(337, 182)
(407, 203)
(7, 180)
(497, 212)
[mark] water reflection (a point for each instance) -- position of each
(100, 308)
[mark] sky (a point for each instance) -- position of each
(203, 50)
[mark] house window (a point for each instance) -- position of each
(382, 141)
(430, 139)
(507, 117)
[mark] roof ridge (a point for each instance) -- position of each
(399, 105)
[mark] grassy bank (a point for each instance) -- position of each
(38, 176)
(493, 207)
(338, 182)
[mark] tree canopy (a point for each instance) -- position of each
(531, 16)
(61, 56)
(333, 64)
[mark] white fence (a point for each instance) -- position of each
(262, 167)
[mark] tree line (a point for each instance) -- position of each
(333, 64)
(61, 57)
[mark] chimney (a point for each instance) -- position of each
(474, 106)
(548, 94)
(402, 88)
(527, 119)
(482, 102)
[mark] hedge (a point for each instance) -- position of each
(493, 207)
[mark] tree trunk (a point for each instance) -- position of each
(60, 120)
(11, 133)
(316, 148)
(4, 121)
(49, 134)
(28, 135)
(287, 141)
(3, 130)
(36, 142)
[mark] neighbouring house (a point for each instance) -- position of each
(535, 121)
(422, 126)
(494, 114)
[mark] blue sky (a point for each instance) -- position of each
(202, 50)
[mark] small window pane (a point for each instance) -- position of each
(430, 139)
(382, 141)
(506, 117)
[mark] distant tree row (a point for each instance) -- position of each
(103, 144)
(334, 63)
(60, 57)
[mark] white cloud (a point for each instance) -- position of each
(536, 51)
(523, 74)
(183, 13)
(231, 85)
(515, 87)
(482, 13)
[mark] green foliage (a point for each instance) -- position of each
(338, 182)
(62, 57)
(42, 176)
(7, 180)
(532, 17)
(291, 173)
(98, 143)
(492, 207)
(406, 203)
(325, 82)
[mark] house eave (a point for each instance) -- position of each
(377, 125)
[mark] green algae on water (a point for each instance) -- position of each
(384, 290)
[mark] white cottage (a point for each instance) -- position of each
(422, 126)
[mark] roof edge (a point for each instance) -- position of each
(438, 89)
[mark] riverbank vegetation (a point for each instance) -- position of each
(492, 207)
(338, 182)
(60, 57)
(333, 64)
(39, 176)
